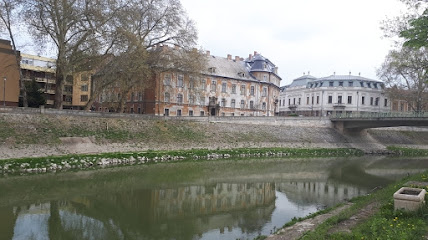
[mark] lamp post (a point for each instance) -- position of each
(4, 91)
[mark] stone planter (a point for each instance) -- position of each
(409, 199)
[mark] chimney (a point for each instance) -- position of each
(237, 58)
(349, 73)
(255, 53)
(309, 72)
(229, 57)
(250, 57)
(208, 53)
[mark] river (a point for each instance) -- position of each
(222, 199)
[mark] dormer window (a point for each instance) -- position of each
(362, 84)
(241, 74)
(331, 84)
(350, 84)
(369, 85)
(211, 69)
(340, 84)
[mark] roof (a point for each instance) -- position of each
(228, 68)
(334, 81)
(346, 78)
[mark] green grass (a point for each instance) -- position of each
(385, 224)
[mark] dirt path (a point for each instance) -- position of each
(298, 229)
(363, 214)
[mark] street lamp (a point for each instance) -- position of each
(4, 91)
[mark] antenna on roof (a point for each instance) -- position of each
(359, 74)
(309, 72)
(303, 73)
(349, 73)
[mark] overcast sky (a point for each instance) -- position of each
(298, 35)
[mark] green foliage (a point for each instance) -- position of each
(408, 151)
(35, 96)
(417, 33)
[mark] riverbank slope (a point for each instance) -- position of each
(31, 135)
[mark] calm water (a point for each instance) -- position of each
(206, 200)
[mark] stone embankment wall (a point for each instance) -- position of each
(28, 133)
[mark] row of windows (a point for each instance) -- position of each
(373, 101)
(191, 113)
(349, 84)
(223, 102)
(213, 86)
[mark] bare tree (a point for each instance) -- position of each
(405, 72)
(75, 27)
(141, 28)
(8, 15)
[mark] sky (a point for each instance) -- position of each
(298, 36)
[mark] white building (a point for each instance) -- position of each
(338, 94)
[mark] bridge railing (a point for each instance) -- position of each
(360, 115)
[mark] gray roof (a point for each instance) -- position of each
(335, 81)
(228, 68)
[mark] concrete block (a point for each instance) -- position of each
(409, 199)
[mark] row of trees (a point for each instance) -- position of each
(405, 70)
(120, 35)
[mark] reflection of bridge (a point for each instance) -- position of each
(355, 122)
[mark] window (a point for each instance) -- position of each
(340, 84)
(363, 100)
(289, 101)
(167, 97)
(211, 70)
(349, 99)
(191, 113)
(321, 83)
(294, 101)
(232, 103)
(202, 101)
(223, 87)
(201, 113)
(330, 99)
(213, 86)
(377, 101)
(339, 99)
(264, 93)
(234, 88)
(204, 85)
(140, 96)
(318, 99)
(223, 102)
(371, 100)
(362, 84)
(132, 97)
(84, 77)
(265, 78)
(385, 102)
(191, 83)
(375, 85)
(167, 79)
(191, 99)
(331, 84)
(242, 89)
(312, 100)
(180, 80)
(68, 89)
(84, 88)
(251, 104)
(166, 112)
(252, 90)
(179, 112)
(307, 100)
(242, 104)
(350, 84)
(300, 100)
(369, 85)
(180, 98)
(264, 106)
(83, 98)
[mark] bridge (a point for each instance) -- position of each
(356, 122)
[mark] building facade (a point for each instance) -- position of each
(227, 87)
(9, 75)
(336, 94)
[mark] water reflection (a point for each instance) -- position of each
(241, 201)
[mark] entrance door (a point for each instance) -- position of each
(212, 111)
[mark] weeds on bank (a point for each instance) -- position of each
(385, 224)
(408, 151)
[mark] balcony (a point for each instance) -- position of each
(339, 106)
(292, 107)
(39, 79)
(49, 102)
(50, 91)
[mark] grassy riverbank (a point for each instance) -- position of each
(60, 163)
(385, 223)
